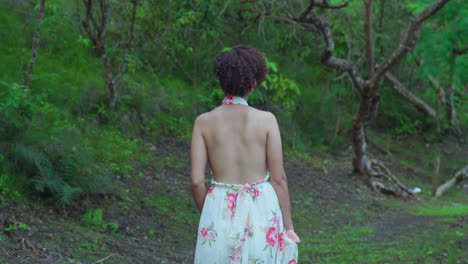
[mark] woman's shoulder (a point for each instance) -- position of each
(264, 115)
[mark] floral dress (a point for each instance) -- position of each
(243, 224)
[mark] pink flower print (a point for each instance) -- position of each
(232, 201)
(276, 220)
(292, 261)
(228, 100)
(212, 235)
(236, 255)
(281, 241)
(211, 189)
(208, 234)
(248, 230)
(256, 193)
(204, 232)
(271, 236)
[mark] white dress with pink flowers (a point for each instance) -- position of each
(243, 224)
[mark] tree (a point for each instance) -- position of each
(35, 44)
(438, 58)
(368, 87)
(95, 26)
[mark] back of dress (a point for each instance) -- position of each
(241, 220)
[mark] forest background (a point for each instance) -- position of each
(98, 99)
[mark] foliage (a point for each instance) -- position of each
(285, 91)
(8, 190)
(93, 218)
(16, 105)
(441, 37)
(66, 180)
(118, 153)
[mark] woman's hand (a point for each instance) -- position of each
(293, 236)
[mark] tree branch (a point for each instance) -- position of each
(104, 20)
(380, 27)
(409, 40)
(407, 94)
(327, 55)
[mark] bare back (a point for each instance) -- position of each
(236, 138)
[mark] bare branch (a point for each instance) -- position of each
(407, 94)
(85, 22)
(327, 56)
(409, 40)
(104, 20)
(439, 89)
(89, 15)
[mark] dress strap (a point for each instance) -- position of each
(233, 100)
(241, 186)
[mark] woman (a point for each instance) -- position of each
(246, 216)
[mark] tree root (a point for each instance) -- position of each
(379, 178)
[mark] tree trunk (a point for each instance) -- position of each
(450, 104)
(96, 30)
(435, 176)
(130, 37)
(35, 44)
(360, 161)
(459, 177)
(369, 29)
(112, 96)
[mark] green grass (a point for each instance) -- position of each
(359, 244)
(178, 216)
(345, 235)
(443, 211)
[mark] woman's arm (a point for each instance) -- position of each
(198, 161)
(278, 175)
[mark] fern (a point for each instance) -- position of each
(67, 195)
(66, 177)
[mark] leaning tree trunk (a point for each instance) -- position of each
(35, 44)
(409, 96)
(458, 178)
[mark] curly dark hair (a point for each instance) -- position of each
(240, 70)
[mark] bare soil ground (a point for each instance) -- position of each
(156, 222)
